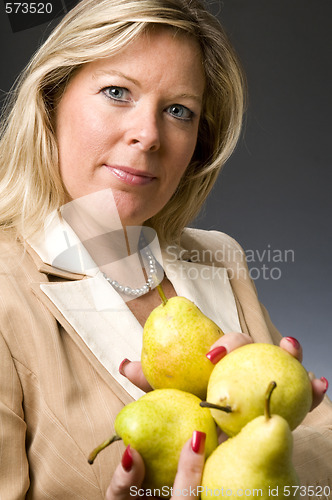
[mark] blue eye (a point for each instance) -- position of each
(116, 93)
(181, 112)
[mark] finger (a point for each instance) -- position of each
(319, 388)
(128, 476)
(190, 466)
(226, 344)
(132, 370)
(292, 346)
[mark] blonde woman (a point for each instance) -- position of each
(123, 119)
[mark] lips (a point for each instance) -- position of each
(131, 175)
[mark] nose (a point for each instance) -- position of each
(144, 131)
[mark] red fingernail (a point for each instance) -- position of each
(122, 364)
(323, 379)
(216, 354)
(198, 441)
(127, 459)
(295, 343)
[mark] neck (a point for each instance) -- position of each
(96, 222)
(114, 248)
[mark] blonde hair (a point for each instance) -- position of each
(30, 183)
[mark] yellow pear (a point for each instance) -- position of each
(239, 380)
(157, 425)
(257, 462)
(176, 338)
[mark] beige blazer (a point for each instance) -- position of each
(60, 394)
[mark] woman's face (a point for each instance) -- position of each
(129, 122)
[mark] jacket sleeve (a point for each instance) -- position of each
(312, 455)
(14, 471)
(313, 449)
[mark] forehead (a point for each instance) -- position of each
(160, 55)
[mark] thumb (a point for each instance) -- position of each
(190, 467)
(132, 370)
(128, 476)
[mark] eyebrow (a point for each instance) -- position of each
(189, 96)
(117, 73)
(185, 95)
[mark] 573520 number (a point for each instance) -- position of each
(310, 491)
(28, 8)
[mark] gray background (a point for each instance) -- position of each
(274, 193)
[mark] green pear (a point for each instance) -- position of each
(157, 425)
(256, 462)
(176, 338)
(238, 383)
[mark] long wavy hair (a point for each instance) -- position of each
(30, 182)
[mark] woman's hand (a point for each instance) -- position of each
(128, 476)
(132, 370)
(231, 341)
(131, 472)
(319, 386)
(227, 343)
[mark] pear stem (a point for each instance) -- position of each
(162, 294)
(270, 389)
(101, 447)
(205, 404)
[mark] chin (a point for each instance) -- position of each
(132, 215)
(131, 219)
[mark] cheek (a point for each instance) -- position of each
(81, 130)
(81, 144)
(182, 153)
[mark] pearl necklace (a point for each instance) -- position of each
(137, 292)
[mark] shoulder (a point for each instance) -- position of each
(191, 236)
(11, 253)
(15, 262)
(8, 240)
(219, 245)
(18, 273)
(24, 319)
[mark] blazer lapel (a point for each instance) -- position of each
(89, 308)
(118, 388)
(103, 320)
